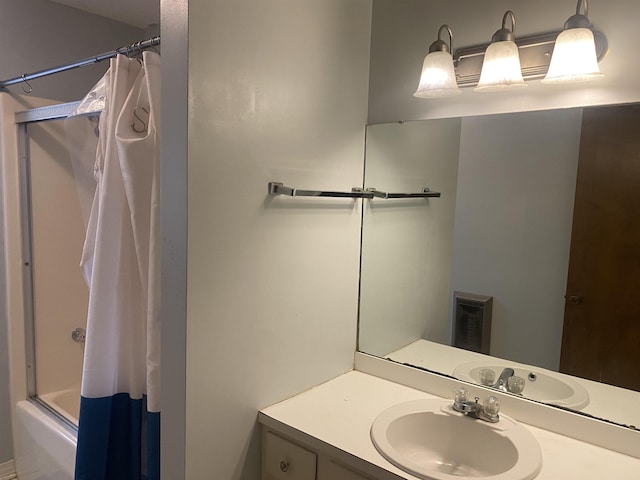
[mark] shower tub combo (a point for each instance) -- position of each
(44, 229)
(45, 447)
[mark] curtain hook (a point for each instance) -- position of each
(129, 51)
(139, 119)
(24, 79)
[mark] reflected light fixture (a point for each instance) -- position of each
(501, 66)
(574, 56)
(438, 78)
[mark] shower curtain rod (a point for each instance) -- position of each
(134, 48)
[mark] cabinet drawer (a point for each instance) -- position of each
(284, 460)
(330, 470)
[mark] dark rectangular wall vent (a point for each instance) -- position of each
(472, 322)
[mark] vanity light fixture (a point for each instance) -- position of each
(438, 78)
(501, 68)
(574, 55)
(540, 55)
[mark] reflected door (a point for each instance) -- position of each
(601, 335)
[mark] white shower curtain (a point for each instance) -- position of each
(119, 426)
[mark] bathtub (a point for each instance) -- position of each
(65, 402)
(45, 446)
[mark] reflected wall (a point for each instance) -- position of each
(407, 244)
(502, 228)
(512, 227)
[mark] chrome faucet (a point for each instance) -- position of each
(507, 381)
(501, 384)
(487, 411)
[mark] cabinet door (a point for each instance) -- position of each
(330, 470)
(285, 460)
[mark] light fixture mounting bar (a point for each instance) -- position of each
(535, 56)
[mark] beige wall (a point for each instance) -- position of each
(277, 92)
(60, 292)
(403, 30)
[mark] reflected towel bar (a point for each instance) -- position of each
(276, 188)
(426, 193)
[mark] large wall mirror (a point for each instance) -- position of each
(529, 261)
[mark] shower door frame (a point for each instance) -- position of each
(23, 120)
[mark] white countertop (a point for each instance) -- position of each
(340, 412)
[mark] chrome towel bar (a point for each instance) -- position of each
(426, 193)
(277, 188)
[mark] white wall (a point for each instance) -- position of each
(407, 244)
(403, 30)
(513, 218)
(277, 92)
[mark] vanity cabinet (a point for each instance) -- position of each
(325, 433)
(330, 470)
(285, 459)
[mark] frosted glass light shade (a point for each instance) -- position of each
(501, 68)
(438, 77)
(574, 58)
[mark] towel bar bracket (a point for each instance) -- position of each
(277, 188)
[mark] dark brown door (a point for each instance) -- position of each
(601, 336)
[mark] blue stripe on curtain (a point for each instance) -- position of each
(119, 440)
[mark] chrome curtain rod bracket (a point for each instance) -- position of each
(426, 193)
(134, 48)
(277, 188)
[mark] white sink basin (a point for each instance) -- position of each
(430, 440)
(546, 386)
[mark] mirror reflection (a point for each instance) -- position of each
(523, 274)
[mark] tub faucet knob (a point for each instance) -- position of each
(78, 335)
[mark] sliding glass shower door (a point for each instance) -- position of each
(53, 224)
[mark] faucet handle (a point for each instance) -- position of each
(487, 377)
(491, 406)
(515, 384)
(460, 395)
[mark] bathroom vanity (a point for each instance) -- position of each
(324, 434)
(490, 224)
(284, 458)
